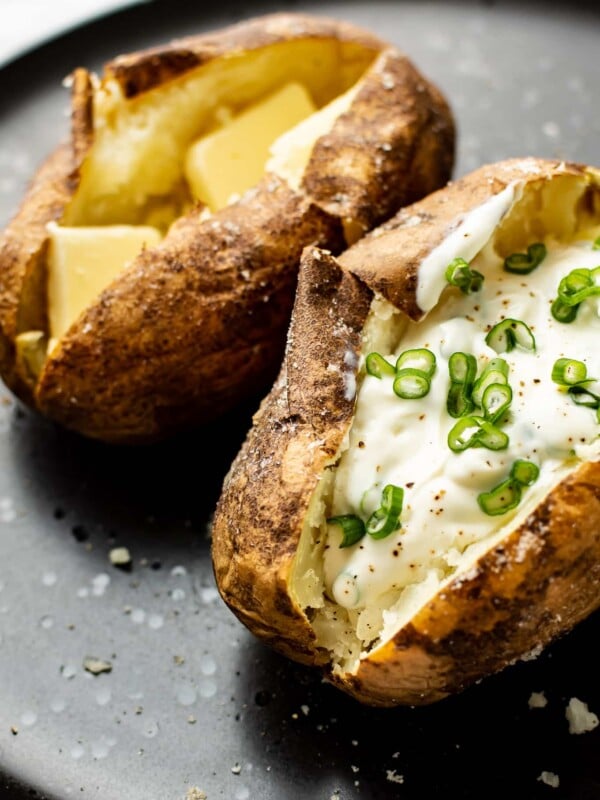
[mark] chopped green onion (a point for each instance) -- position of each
(377, 366)
(353, 528)
(462, 368)
(459, 402)
(524, 263)
(507, 495)
(460, 274)
(386, 519)
(562, 312)
(573, 289)
(411, 384)
(476, 432)
(577, 286)
(503, 498)
(525, 472)
(491, 437)
(463, 434)
(420, 359)
(507, 334)
(596, 245)
(568, 372)
(495, 371)
(496, 401)
(498, 365)
(583, 397)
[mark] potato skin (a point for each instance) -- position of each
(296, 433)
(23, 244)
(139, 72)
(531, 587)
(235, 277)
(387, 259)
(110, 381)
(406, 158)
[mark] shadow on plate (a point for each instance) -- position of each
(486, 742)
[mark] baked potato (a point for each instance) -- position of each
(417, 504)
(147, 281)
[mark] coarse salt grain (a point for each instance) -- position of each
(537, 700)
(550, 779)
(579, 717)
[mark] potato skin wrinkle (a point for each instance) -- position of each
(147, 357)
(531, 582)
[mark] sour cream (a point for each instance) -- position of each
(404, 442)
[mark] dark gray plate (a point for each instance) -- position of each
(193, 699)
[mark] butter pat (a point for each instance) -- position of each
(83, 261)
(232, 159)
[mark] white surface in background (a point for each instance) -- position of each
(26, 23)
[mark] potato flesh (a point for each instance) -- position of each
(291, 151)
(232, 159)
(83, 261)
(134, 173)
(136, 163)
(349, 633)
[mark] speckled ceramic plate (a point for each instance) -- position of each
(192, 699)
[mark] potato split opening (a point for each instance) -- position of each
(357, 597)
(206, 137)
(137, 163)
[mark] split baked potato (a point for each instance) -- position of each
(147, 281)
(417, 505)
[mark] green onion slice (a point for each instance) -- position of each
(509, 333)
(495, 371)
(459, 402)
(462, 368)
(460, 274)
(463, 434)
(568, 372)
(386, 519)
(411, 384)
(507, 495)
(491, 437)
(525, 472)
(377, 366)
(476, 432)
(583, 397)
(524, 263)
(563, 312)
(496, 400)
(596, 245)
(577, 286)
(353, 528)
(420, 359)
(503, 498)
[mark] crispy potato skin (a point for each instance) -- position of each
(23, 244)
(533, 586)
(240, 270)
(406, 156)
(146, 69)
(296, 433)
(198, 354)
(387, 259)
